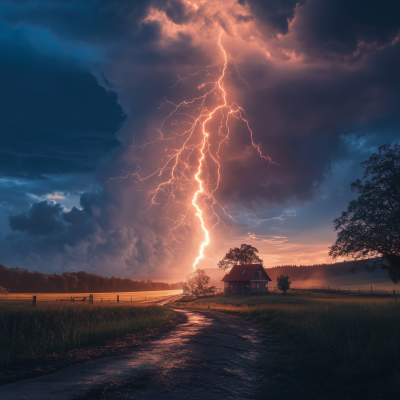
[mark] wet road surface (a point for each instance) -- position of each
(209, 356)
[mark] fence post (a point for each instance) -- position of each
(117, 298)
(34, 301)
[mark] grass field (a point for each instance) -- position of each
(322, 346)
(137, 297)
(28, 332)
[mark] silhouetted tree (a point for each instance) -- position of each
(245, 255)
(283, 283)
(370, 227)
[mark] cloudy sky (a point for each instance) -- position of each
(107, 116)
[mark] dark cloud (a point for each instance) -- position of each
(90, 200)
(47, 237)
(274, 15)
(41, 219)
(337, 28)
(301, 122)
(97, 22)
(55, 117)
(75, 217)
(100, 21)
(177, 12)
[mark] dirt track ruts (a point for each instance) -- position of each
(209, 356)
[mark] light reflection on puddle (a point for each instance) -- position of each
(209, 355)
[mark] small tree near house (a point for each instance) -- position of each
(196, 284)
(283, 283)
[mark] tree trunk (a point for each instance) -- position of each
(393, 267)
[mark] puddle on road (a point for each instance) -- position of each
(211, 355)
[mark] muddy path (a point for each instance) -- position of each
(207, 356)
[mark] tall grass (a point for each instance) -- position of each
(27, 332)
(343, 348)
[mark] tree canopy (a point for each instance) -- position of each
(196, 284)
(247, 254)
(370, 228)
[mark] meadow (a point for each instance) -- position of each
(321, 346)
(27, 333)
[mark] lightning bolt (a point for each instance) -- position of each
(176, 173)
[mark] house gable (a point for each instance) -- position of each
(260, 274)
(246, 273)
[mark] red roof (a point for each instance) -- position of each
(244, 272)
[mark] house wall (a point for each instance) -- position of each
(246, 286)
(240, 283)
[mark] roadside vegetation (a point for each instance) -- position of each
(27, 332)
(322, 346)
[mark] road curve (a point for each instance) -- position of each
(209, 356)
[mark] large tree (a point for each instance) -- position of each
(245, 255)
(370, 228)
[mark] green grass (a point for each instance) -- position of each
(322, 346)
(27, 332)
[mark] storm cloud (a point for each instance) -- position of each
(85, 84)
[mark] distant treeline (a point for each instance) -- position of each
(17, 280)
(317, 271)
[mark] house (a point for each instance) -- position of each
(246, 278)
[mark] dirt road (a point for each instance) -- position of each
(208, 356)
